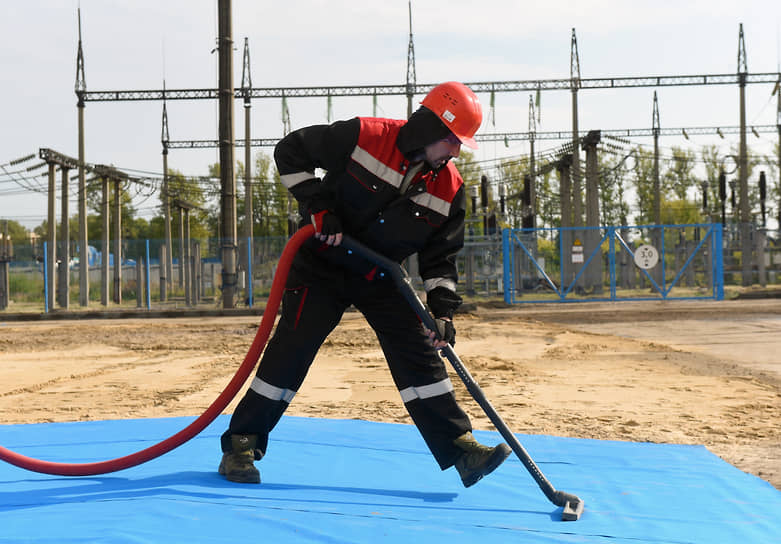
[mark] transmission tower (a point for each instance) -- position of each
(167, 265)
(81, 89)
(745, 211)
(656, 129)
(249, 220)
(411, 77)
(575, 83)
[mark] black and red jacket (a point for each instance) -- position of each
(364, 167)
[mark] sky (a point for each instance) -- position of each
(136, 44)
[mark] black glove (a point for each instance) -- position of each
(326, 223)
(446, 331)
(443, 302)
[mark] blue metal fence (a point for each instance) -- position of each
(602, 263)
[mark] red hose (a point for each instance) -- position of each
(216, 408)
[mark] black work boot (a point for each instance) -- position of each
(238, 465)
(478, 460)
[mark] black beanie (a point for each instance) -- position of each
(421, 129)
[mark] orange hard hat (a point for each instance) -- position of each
(458, 108)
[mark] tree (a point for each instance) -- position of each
(20, 239)
(472, 174)
(644, 185)
(513, 172)
(193, 191)
(16, 230)
(679, 177)
(613, 208)
(712, 162)
(269, 199)
(548, 200)
(95, 204)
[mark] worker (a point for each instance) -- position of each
(390, 185)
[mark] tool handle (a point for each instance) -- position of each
(402, 280)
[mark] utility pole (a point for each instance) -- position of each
(577, 200)
(54, 159)
(51, 253)
(411, 77)
(6, 254)
(81, 88)
(106, 174)
(594, 271)
(286, 128)
(778, 126)
(117, 241)
(532, 168)
(246, 91)
(227, 177)
(166, 267)
(656, 128)
(745, 212)
(565, 190)
(104, 245)
(656, 233)
(63, 280)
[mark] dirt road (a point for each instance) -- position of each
(676, 372)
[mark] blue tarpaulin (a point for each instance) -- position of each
(358, 481)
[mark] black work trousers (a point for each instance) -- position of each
(312, 305)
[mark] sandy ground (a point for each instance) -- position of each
(700, 372)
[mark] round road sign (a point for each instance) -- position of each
(646, 257)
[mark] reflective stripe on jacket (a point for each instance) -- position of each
(364, 171)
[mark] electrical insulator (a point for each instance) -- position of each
(762, 186)
(722, 186)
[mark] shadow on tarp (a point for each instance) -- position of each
(357, 481)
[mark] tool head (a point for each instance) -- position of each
(573, 508)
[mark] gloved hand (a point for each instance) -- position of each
(446, 331)
(443, 302)
(328, 227)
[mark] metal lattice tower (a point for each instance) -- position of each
(81, 89)
(532, 191)
(411, 76)
(168, 266)
(164, 136)
(81, 80)
(575, 83)
(574, 62)
(744, 208)
(246, 75)
(742, 61)
(656, 129)
(249, 217)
